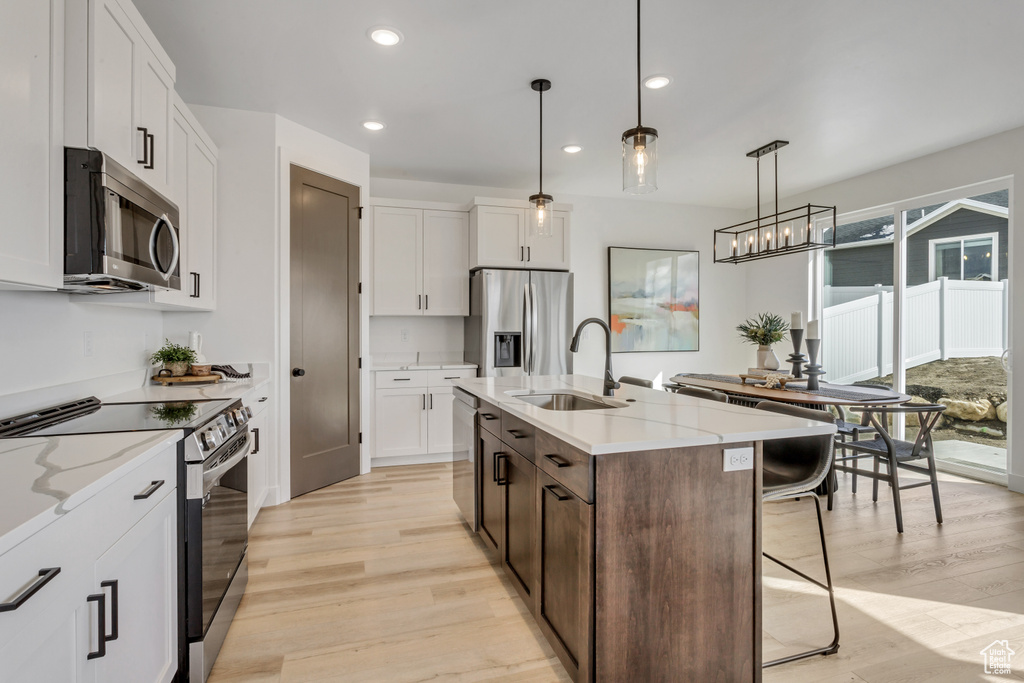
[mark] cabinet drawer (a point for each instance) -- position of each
(570, 467)
(518, 434)
(396, 379)
(443, 378)
(490, 417)
(130, 498)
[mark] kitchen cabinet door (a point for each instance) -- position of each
(113, 43)
(397, 268)
(401, 421)
(139, 576)
(53, 649)
(550, 253)
(566, 581)
(199, 281)
(178, 145)
(257, 468)
(445, 263)
(491, 499)
(32, 173)
(439, 420)
(497, 237)
(155, 92)
(519, 554)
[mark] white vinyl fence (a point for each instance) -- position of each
(944, 319)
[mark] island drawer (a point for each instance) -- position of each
(518, 434)
(570, 467)
(490, 417)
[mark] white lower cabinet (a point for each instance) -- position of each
(413, 415)
(257, 467)
(118, 551)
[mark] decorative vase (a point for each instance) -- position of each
(178, 368)
(766, 358)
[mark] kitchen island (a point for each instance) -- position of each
(629, 525)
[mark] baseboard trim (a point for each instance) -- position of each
(421, 459)
(1015, 482)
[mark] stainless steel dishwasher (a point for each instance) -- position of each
(464, 456)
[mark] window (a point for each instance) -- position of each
(964, 258)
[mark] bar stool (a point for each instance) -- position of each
(636, 381)
(793, 468)
(697, 392)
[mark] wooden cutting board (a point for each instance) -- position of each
(212, 378)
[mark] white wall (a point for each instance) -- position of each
(251, 320)
(990, 158)
(42, 340)
(423, 334)
(599, 223)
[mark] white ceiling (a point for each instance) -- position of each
(854, 85)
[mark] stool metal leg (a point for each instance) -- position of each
(832, 647)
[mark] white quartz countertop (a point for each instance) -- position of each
(45, 477)
(226, 388)
(653, 419)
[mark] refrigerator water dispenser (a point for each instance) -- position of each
(507, 349)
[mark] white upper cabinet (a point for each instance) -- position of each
(32, 139)
(445, 263)
(129, 92)
(506, 237)
(497, 237)
(420, 262)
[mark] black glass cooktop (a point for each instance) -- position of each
(121, 417)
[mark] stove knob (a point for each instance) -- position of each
(208, 439)
(223, 431)
(239, 416)
(248, 412)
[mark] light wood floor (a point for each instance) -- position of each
(376, 579)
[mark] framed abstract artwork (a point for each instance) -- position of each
(653, 299)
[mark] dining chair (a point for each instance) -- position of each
(697, 392)
(636, 381)
(896, 454)
(791, 469)
(847, 429)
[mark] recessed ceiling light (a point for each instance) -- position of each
(657, 82)
(373, 125)
(384, 35)
(572, 149)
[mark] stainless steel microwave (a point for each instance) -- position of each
(119, 233)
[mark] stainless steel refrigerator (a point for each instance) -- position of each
(520, 322)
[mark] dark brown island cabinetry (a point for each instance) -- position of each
(638, 566)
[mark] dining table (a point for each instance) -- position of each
(842, 396)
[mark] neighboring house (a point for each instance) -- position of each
(964, 239)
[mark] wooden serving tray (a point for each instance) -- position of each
(212, 378)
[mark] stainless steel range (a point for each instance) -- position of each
(212, 503)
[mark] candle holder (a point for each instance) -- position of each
(813, 370)
(797, 359)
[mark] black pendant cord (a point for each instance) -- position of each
(639, 118)
(540, 146)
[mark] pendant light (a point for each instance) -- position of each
(640, 144)
(803, 228)
(541, 201)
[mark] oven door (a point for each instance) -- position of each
(220, 520)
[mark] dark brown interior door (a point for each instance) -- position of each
(324, 331)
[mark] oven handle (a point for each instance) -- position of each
(166, 275)
(212, 475)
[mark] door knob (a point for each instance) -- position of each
(298, 372)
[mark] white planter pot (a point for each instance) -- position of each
(766, 358)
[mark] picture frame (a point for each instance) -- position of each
(653, 299)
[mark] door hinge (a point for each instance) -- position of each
(360, 437)
(360, 362)
(360, 289)
(360, 209)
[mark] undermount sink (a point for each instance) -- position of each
(565, 401)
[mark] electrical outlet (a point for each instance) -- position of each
(87, 344)
(736, 459)
(405, 336)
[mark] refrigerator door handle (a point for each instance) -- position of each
(527, 330)
(533, 328)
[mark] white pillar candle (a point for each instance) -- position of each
(797, 321)
(812, 330)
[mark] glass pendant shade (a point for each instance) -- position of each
(640, 160)
(542, 214)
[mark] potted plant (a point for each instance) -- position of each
(764, 330)
(174, 357)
